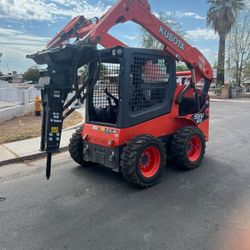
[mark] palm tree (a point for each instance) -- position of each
(221, 17)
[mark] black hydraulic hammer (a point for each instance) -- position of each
(56, 82)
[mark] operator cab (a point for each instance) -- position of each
(134, 85)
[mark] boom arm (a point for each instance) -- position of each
(139, 12)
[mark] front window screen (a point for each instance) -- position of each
(148, 80)
(108, 82)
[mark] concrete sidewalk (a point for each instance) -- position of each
(29, 149)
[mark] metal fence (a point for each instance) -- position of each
(32, 93)
(12, 94)
(215, 90)
(240, 92)
(9, 93)
(235, 91)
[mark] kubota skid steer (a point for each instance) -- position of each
(136, 114)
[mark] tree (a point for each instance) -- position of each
(32, 74)
(181, 67)
(221, 17)
(238, 48)
(215, 65)
(1, 74)
(246, 71)
(148, 41)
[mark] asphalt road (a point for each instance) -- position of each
(94, 208)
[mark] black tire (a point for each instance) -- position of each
(181, 153)
(76, 148)
(131, 161)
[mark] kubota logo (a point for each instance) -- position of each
(171, 37)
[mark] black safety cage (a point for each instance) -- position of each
(134, 85)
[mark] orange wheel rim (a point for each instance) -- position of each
(150, 161)
(194, 148)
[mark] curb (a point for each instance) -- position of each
(230, 100)
(74, 127)
(32, 157)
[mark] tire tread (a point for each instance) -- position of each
(129, 159)
(179, 143)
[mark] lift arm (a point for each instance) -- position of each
(79, 27)
(137, 11)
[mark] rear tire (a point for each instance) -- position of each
(142, 161)
(76, 148)
(188, 147)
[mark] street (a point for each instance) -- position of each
(94, 208)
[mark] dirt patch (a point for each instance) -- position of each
(29, 126)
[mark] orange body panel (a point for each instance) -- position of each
(113, 137)
(161, 126)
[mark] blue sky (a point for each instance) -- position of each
(27, 25)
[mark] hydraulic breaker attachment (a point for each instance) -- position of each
(56, 82)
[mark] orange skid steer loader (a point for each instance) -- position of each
(136, 114)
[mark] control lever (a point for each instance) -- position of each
(116, 101)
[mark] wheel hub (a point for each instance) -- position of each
(194, 148)
(150, 162)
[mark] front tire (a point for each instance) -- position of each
(142, 161)
(76, 148)
(188, 147)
